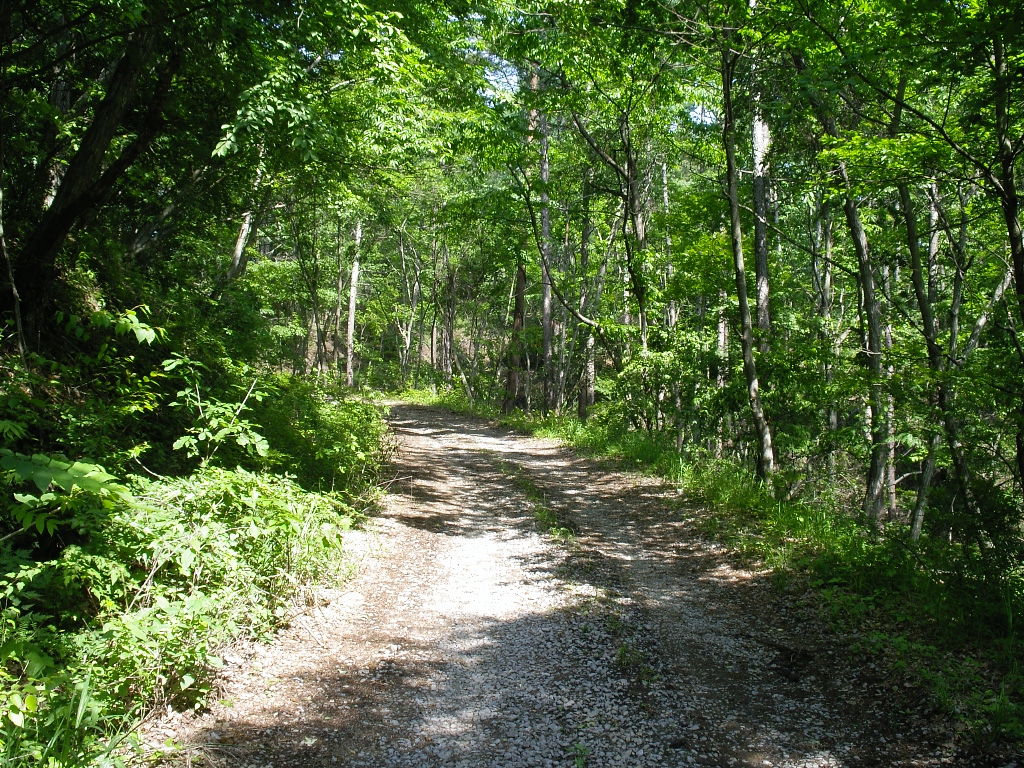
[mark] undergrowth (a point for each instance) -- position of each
(120, 583)
(946, 615)
(450, 398)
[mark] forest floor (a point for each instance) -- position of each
(470, 638)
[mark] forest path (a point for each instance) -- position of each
(470, 639)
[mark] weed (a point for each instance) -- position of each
(613, 623)
(546, 518)
(952, 594)
(628, 656)
(580, 754)
(116, 595)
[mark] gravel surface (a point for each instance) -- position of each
(470, 638)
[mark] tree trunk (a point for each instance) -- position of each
(539, 129)
(585, 398)
(85, 183)
(545, 238)
(15, 296)
(515, 347)
(635, 235)
(448, 319)
(671, 311)
(238, 255)
(890, 416)
(414, 297)
(1010, 203)
(238, 260)
(353, 292)
(761, 141)
(339, 297)
(721, 359)
(309, 270)
(419, 346)
(821, 278)
(765, 452)
(930, 329)
(874, 496)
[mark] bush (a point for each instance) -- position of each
(327, 441)
(133, 612)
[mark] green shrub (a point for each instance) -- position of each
(326, 440)
(135, 611)
(964, 599)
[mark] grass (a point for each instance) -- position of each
(452, 399)
(547, 519)
(932, 611)
(936, 613)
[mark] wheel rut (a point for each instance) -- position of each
(469, 638)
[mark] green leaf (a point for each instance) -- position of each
(45, 471)
(185, 561)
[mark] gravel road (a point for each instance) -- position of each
(470, 638)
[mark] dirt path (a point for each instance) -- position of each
(470, 639)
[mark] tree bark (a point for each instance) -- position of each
(238, 255)
(515, 347)
(930, 329)
(761, 136)
(1010, 203)
(85, 183)
(539, 130)
(765, 452)
(635, 235)
(338, 295)
(874, 495)
(821, 278)
(353, 293)
(545, 238)
(721, 360)
(671, 310)
(15, 296)
(413, 296)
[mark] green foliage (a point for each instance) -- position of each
(579, 754)
(324, 437)
(116, 596)
(958, 613)
(100, 397)
(289, 127)
(215, 422)
(136, 611)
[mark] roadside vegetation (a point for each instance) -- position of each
(943, 621)
(121, 582)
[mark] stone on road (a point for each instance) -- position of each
(470, 638)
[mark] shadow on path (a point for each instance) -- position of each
(474, 641)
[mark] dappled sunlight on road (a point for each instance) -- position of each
(473, 640)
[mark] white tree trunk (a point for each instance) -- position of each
(353, 291)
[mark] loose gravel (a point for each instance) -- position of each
(469, 638)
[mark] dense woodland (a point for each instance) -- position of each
(770, 249)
